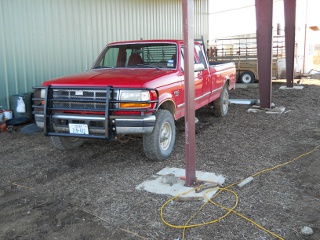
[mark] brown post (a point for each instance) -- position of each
(188, 41)
(290, 27)
(264, 44)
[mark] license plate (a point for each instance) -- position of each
(78, 128)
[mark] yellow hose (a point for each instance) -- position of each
(228, 210)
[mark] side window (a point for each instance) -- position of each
(199, 57)
(182, 60)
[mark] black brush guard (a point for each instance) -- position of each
(103, 99)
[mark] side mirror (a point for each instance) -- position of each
(198, 67)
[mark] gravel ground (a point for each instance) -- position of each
(89, 193)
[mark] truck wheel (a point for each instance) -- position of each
(221, 105)
(158, 145)
(247, 77)
(67, 143)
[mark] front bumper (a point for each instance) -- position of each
(122, 124)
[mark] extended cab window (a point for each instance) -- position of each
(143, 55)
(198, 57)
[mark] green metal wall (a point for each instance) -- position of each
(42, 39)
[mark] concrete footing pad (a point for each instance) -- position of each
(291, 88)
(170, 181)
(273, 110)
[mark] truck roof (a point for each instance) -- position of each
(180, 42)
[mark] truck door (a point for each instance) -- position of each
(203, 76)
(197, 80)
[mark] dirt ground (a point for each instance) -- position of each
(90, 193)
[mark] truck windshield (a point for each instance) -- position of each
(146, 55)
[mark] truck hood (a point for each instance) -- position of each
(119, 77)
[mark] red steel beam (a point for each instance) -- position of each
(264, 43)
(188, 41)
(290, 26)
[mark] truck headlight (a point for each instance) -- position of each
(132, 98)
(42, 93)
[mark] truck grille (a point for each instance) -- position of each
(77, 105)
(79, 94)
(94, 99)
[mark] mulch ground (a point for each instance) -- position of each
(89, 193)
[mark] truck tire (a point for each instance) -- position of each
(158, 145)
(221, 105)
(247, 77)
(67, 143)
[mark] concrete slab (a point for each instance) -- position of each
(274, 110)
(291, 88)
(247, 85)
(175, 186)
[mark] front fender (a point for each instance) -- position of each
(164, 97)
(166, 101)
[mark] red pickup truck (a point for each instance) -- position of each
(134, 87)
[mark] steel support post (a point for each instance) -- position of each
(188, 41)
(290, 27)
(264, 43)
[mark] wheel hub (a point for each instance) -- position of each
(165, 136)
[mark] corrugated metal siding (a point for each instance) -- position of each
(42, 39)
